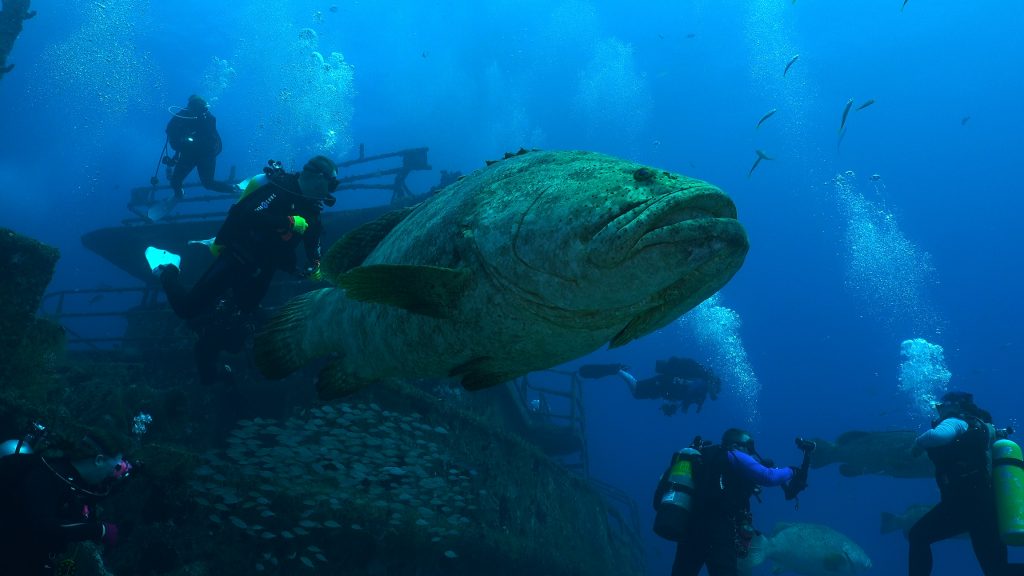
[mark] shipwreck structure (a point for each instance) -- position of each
(403, 478)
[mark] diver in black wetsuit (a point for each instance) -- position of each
(192, 133)
(48, 503)
(959, 444)
(681, 382)
(277, 212)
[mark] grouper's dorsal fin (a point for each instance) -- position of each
(428, 290)
(353, 248)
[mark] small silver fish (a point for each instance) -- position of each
(760, 156)
(791, 61)
(765, 117)
(866, 104)
(846, 112)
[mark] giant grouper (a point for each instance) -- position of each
(528, 263)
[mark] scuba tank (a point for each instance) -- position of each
(1008, 482)
(674, 508)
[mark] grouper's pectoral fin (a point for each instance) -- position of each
(428, 290)
(480, 373)
(335, 382)
(353, 248)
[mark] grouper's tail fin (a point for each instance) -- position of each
(281, 346)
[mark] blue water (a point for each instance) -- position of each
(837, 276)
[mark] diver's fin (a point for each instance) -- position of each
(427, 290)
(279, 346)
(594, 371)
(161, 209)
(354, 247)
(480, 373)
(158, 258)
(334, 382)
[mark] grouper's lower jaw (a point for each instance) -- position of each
(682, 217)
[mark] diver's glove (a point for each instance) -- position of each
(109, 534)
(797, 484)
(298, 224)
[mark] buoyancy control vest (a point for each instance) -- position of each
(269, 197)
(699, 482)
(964, 464)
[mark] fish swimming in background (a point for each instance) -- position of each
(533, 261)
(808, 549)
(904, 5)
(760, 156)
(791, 60)
(965, 120)
(846, 112)
(885, 453)
(765, 117)
(866, 104)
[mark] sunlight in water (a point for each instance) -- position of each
(923, 375)
(717, 331)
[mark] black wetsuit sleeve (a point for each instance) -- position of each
(311, 241)
(176, 130)
(45, 497)
(213, 137)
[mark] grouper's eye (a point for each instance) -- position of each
(643, 175)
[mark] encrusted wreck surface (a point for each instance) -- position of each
(256, 478)
(27, 344)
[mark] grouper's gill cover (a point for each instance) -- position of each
(531, 262)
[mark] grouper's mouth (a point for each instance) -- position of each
(706, 217)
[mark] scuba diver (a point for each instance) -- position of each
(192, 134)
(681, 382)
(702, 501)
(960, 446)
(277, 212)
(48, 503)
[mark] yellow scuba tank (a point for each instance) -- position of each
(674, 507)
(1008, 482)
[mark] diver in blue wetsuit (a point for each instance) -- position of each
(719, 528)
